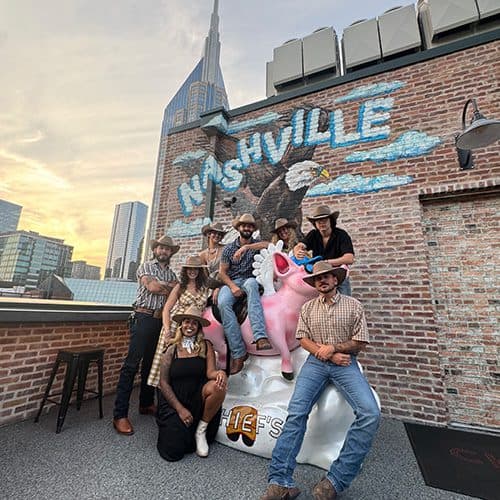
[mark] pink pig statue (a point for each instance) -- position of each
(281, 313)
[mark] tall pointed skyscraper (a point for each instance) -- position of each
(202, 90)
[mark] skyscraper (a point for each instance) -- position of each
(126, 241)
(9, 216)
(27, 258)
(202, 90)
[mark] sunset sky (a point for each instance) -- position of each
(84, 84)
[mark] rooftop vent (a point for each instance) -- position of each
(361, 44)
(321, 52)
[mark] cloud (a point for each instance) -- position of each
(365, 91)
(185, 159)
(359, 184)
(407, 145)
(181, 229)
(266, 118)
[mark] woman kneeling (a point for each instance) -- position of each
(191, 390)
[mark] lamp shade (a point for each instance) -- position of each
(479, 133)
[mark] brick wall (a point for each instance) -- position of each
(408, 359)
(28, 351)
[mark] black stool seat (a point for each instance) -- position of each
(77, 361)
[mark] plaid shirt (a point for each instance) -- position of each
(144, 297)
(329, 323)
(239, 268)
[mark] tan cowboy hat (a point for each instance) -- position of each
(283, 223)
(166, 241)
(323, 267)
(192, 312)
(194, 261)
(217, 228)
(322, 211)
(245, 219)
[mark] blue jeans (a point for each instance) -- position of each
(312, 380)
(345, 287)
(144, 333)
(232, 329)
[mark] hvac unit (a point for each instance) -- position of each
(270, 90)
(321, 55)
(443, 21)
(398, 28)
(488, 8)
(287, 63)
(361, 44)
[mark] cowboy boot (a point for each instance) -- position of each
(200, 437)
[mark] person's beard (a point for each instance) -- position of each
(246, 235)
(163, 259)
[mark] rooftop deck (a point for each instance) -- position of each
(88, 459)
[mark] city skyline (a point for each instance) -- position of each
(83, 99)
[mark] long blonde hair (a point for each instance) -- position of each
(292, 239)
(200, 347)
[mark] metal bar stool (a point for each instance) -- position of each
(77, 362)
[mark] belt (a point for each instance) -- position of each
(156, 313)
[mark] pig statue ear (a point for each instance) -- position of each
(263, 267)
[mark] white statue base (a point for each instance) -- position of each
(254, 412)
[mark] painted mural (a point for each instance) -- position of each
(273, 169)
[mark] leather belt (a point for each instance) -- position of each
(156, 313)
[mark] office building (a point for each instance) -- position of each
(27, 258)
(126, 241)
(81, 270)
(202, 90)
(9, 216)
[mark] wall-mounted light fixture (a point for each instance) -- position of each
(479, 133)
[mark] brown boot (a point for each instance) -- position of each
(263, 344)
(324, 490)
(123, 426)
(277, 492)
(148, 410)
(237, 364)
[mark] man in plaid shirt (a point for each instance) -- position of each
(332, 328)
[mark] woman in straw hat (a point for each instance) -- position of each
(191, 390)
(192, 290)
(284, 230)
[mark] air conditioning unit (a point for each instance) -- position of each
(398, 29)
(488, 8)
(270, 90)
(321, 55)
(443, 21)
(361, 44)
(287, 62)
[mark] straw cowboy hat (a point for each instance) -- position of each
(283, 223)
(321, 212)
(192, 312)
(323, 267)
(193, 261)
(245, 219)
(217, 228)
(165, 241)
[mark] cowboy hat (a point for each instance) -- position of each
(192, 312)
(194, 261)
(216, 228)
(283, 223)
(321, 212)
(165, 241)
(245, 219)
(323, 267)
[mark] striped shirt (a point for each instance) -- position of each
(332, 322)
(239, 268)
(144, 297)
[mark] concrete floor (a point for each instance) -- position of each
(89, 460)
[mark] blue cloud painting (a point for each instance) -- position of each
(359, 184)
(180, 229)
(186, 158)
(236, 127)
(365, 91)
(407, 145)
